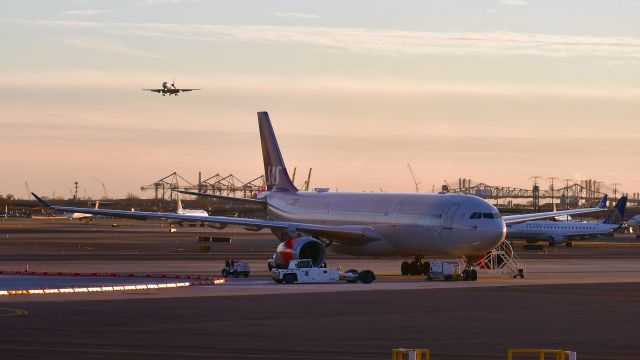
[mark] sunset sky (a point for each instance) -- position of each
(495, 91)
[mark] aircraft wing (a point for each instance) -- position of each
(512, 219)
(243, 201)
(347, 234)
(183, 90)
(154, 90)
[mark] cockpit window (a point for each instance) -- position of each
(479, 215)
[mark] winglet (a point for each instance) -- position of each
(603, 202)
(42, 202)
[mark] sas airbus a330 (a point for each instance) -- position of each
(358, 223)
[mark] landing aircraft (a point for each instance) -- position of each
(169, 89)
(557, 233)
(359, 223)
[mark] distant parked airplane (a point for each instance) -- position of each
(182, 211)
(564, 232)
(169, 89)
(82, 216)
(634, 221)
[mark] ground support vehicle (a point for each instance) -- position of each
(449, 271)
(235, 268)
(303, 271)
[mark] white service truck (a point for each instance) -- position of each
(303, 271)
(235, 268)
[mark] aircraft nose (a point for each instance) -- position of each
(492, 234)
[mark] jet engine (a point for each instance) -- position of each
(556, 240)
(299, 248)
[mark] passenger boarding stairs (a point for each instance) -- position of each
(501, 261)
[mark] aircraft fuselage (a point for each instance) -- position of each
(410, 224)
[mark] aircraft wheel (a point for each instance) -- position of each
(289, 278)
(405, 268)
(415, 268)
(465, 275)
(426, 267)
(366, 276)
(473, 275)
(569, 244)
(225, 273)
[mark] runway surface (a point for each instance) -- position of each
(599, 321)
(583, 298)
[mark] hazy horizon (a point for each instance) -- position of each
(496, 91)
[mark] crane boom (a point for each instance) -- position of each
(413, 176)
(104, 188)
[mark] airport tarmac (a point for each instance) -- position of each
(583, 298)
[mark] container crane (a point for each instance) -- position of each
(413, 176)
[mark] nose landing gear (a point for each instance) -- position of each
(415, 267)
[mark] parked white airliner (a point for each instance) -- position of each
(181, 211)
(564, 232)
(82, 216)
(368, 224)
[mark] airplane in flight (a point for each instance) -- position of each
(169, 89)
(563, 232)
(359, 223)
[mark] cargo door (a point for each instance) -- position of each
(449, 215)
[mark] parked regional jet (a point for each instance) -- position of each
(360, 223)
(169, 89)
(564, 232)
(634, 221)
(82, 216)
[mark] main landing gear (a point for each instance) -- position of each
(415, 267)
(469, 273)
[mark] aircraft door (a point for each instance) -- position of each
(449, 215)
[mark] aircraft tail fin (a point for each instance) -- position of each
(275, 172)
(179, 202)
(42, 203)
(603, 202)
(616, 215)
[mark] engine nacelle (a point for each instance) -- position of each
(556, 240)
(218, 226)
(299, 248)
